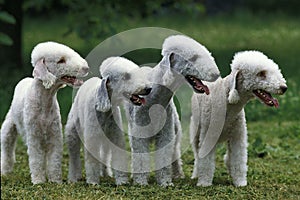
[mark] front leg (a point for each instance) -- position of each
(205, 168)
(140, 160)
(119, 156)
(236, 156)
(55, 151)
(92, 142)
(165, 146)
(37, 158)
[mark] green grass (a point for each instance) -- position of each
(273, 174)
(274, 134)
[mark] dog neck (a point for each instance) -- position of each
(43, 97)
(166, 82)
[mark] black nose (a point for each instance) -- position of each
(85, 69)
(283, 88)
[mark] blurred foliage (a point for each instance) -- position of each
(6, 18)
(290, 7)
(34, 7)
(104, 16)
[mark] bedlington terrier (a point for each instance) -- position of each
(96, 119)
(183, 59)
(220, 117)
(34, 112)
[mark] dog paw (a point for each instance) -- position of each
(141, 183)
(166, 184)
(92, 182)
(240, 183)
(38, 181)
(140, 179)
(204, 184)
(122, 181)
(179, 176)
(56, 181)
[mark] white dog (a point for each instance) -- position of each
(34, 112)
(95, 120)
(220, 116)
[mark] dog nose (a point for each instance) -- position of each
(283, 88)
(85, 69)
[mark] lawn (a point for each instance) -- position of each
(273, 174)
(274, 134)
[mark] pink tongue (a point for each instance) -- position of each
(143, 101)
(200, 85)
(275, 102)
(78, 82)
(206, 89)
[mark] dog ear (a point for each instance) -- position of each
(41, 72)
(233, 96)
(103, 102)
(168, 60)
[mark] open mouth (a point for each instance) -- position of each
(266, 98)
(135, 99)
(72, 80)
(197, 84)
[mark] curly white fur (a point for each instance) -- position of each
(158, 120)
(34, 112)
(251, 71)
(95, 120)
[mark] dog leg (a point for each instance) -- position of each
(165, 145)
(73, 143)
(55, 152)
(206, 168)
(8, 145)
(92, 158)
(140, 160)
(37, 157)
(236, 156)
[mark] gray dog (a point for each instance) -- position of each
(183, 59)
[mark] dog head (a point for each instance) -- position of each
(254, 73)
(190, 59)
(122, 80)
(56, 63)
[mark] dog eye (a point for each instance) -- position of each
(262, 74)
(126, 76)
(61, 60)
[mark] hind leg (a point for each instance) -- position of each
(8, 144)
